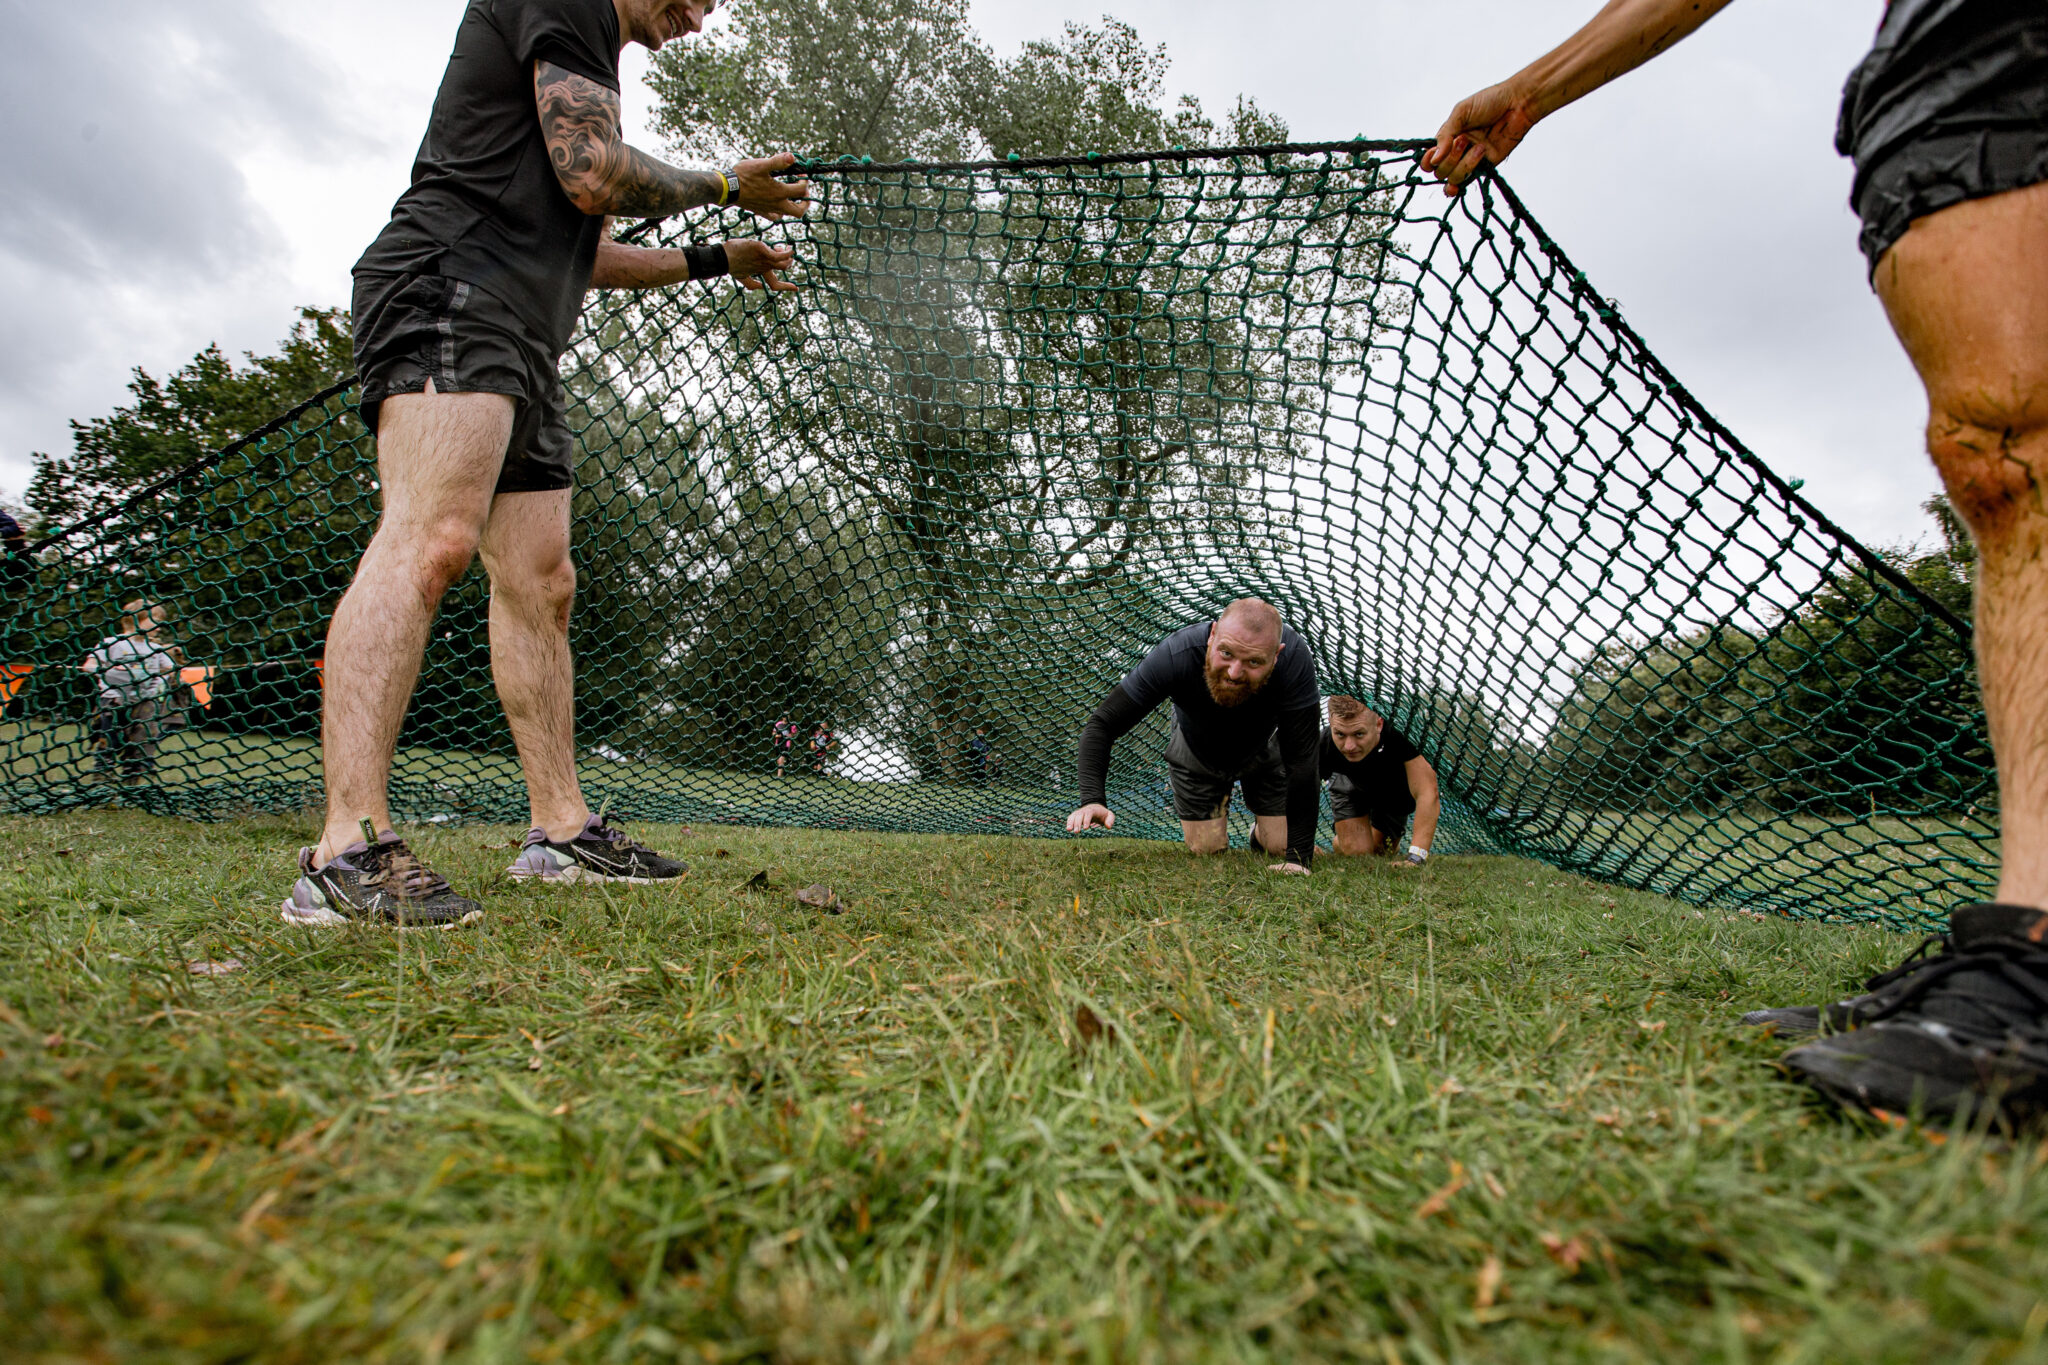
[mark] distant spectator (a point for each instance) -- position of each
(136, 671)
(823, 742)
(13, 551)
(977, 756)
(785, 741)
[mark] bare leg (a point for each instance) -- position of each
(1272, 831)
(1358, 838)
(1967, 292)
(533, 584)
(1206, 836)
(438, 456)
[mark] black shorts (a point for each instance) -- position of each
(1951, 104)
(1388, 811)
(412, 328)
(1203, 793)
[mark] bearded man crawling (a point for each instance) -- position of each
(1245, 710)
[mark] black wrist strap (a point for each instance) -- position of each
(706, 262)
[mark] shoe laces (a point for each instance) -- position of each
(2016, 963)
(399, 871)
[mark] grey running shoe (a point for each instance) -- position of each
(383, 883)
(598, 854)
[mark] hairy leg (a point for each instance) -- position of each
(438, 455)
(1358, 838)
(1206, 836)
(1272, 833)
(1967, 292)
(533, 584)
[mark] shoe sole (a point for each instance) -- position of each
(320, 917)
(582, 876)
(1867, 1083)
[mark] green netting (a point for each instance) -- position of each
(1025, 419)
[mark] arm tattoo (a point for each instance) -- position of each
(600, 173)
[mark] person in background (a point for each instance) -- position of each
(1377, 780)
(784, 734)
(135, 671)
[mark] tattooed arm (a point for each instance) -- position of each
(601, 174)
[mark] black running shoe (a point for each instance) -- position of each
(1960, 1031)
(598, 854)
(1883, 994)
(382, 883)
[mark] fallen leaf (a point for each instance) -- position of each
(1438, 1202)
(63, 853)
(721, 853)
(757, 882)
(1488, 1288)
(819, 896)
(1567, 1254)
(1493, 1186)
(1450, 1087)
(1092, 1027)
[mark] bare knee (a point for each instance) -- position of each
(1994, 471)
(435, 555)
(1356, 843)
(1206, 840)
(539, 587)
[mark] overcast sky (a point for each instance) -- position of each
(190, 172)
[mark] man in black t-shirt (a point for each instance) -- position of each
(1243, 689)
(463, 306)
(1377, 780)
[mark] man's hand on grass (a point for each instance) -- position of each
(1090, 817)
(1288, 869)
(755, 188)
(758, 265)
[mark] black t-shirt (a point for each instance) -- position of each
(484, 205)
(1223, 737)
(1381, 777)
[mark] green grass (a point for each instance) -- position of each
(700, 1122)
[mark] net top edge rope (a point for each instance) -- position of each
(1580, 286)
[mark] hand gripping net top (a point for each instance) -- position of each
(1026, 418)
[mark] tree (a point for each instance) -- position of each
(998, 442)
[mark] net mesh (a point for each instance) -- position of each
(867, 555)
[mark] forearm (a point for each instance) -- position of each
(1300, 737)
(1617, 40)
(1304, 808)
(638, 267)
(1113, 719)
(1427, 808)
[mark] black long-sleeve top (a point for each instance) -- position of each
(1224, 738)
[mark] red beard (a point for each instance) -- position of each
(1226, 693)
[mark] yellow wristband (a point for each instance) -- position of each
(724, 190)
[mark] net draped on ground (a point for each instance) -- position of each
(1024, 419)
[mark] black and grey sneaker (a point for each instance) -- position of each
(1935, 955)
(381, 883)
(1960, 1032)
(598, 854)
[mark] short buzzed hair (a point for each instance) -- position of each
(1254, 614)
(1347, 708)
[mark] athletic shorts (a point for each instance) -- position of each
(1951, 104)
(1388, 811)
(1202, 793)
(412, 328)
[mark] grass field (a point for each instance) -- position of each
(1024, 1099)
